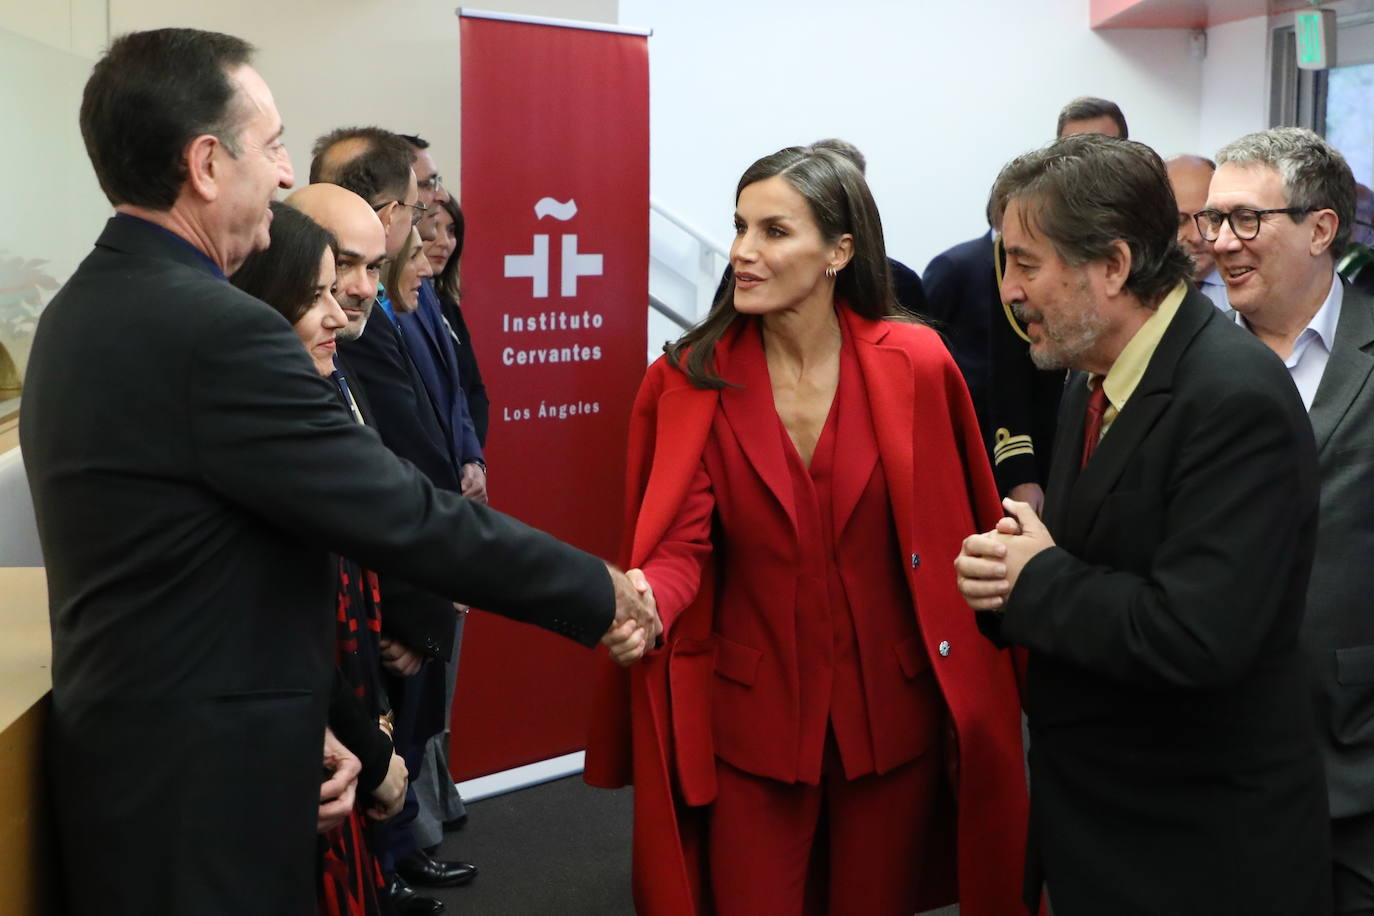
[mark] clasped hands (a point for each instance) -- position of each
(990, 563)
(636, 627)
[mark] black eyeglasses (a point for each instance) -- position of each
(417, 208)
(1244, 222)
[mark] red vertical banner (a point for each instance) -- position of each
(555, 191)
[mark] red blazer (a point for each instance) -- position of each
(654, 723)
(776, 663)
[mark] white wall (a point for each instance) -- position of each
(46, 184)
(332, 63)
(937, 102)
(1235, 83)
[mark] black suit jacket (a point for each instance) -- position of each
(1017, 404)
(190, 474)
(1174, 767)
(402, 412)
(961, 298)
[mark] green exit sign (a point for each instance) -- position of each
(1315, 31)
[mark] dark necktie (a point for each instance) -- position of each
(1092, 422)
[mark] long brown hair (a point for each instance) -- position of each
(840, 203)
(448, 282)
(392, 282)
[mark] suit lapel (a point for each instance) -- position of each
(355, 386)
(1348, 368)
(1134, 422)
(890, 381)
(856, 450)
(751, 414)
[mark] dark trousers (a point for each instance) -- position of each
(418, 705)
(1352, 865)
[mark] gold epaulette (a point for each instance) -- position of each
(1008, 446)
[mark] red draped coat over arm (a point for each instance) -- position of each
(652, 725)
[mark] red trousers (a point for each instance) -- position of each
(841, 847)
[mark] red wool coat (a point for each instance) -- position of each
(653, 722)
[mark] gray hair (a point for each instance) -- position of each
(846, 149)
(1086, 192)
(1315, 175)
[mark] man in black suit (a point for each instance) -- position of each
(1279, 211)
(1173, 763)
(189, 475)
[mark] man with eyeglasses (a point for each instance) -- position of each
(1189, 176)
(429, 182)
(398, 368)
(374, 164)
(1279, 213)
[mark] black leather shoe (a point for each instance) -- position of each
(457, 823)
(405, 902)
(420, 868)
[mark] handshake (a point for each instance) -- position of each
(636, 628)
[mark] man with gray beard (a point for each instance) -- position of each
(1174, 766)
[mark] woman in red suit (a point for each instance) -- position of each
(823, 729)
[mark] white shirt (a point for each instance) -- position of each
(1214, 288)
(1312, 349)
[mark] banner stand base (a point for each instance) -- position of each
(531, 774)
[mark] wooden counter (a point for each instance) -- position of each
(25, 679)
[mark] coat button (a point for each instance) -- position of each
(915, 561)
(944, 647)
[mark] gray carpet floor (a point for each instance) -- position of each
(557, 849)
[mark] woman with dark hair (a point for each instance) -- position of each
(295, 275)
(445, 253)
(823, 729)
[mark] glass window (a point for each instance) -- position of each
(1350, 117)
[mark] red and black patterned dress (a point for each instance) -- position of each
(350, 880)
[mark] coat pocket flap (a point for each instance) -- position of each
(738, 662)
(1355, 665)
(690, 673)
(911, 655)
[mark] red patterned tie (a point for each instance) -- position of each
(1092, 422)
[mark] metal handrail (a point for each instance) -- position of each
(706, 241)
(672, 314)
